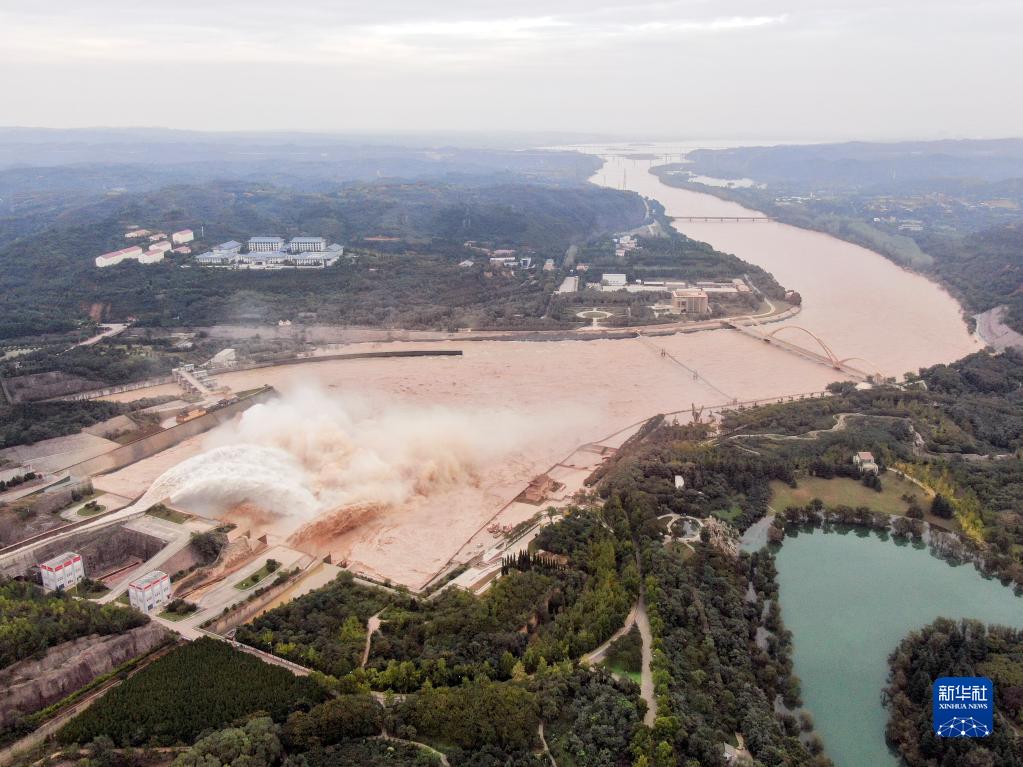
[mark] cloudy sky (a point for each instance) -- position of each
(773, 69)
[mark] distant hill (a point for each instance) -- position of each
(859, 164)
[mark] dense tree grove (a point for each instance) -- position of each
(548, 614)
(198, 687)
(30, 422)
(31, 620)
(324, 629)
(950, 648)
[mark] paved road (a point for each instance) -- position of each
(646, 679)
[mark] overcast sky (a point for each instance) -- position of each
(773, 69)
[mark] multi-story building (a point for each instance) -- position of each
(690, 301)
(151, 591)
(231, 247)
(117, 256)
(162, 246)
(265, 244)
(307, 245)
(62, 571)
(180, 238)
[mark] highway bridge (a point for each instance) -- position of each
(825, 356)
(722, 219)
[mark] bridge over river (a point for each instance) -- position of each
(751, 327)
(722, 219)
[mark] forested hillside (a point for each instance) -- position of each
(31, 621)
(53, 283)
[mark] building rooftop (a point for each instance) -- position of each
(302, 239)
(865, 456)
(265, 239)
(229, 245)
(148, 579)
(60, 559)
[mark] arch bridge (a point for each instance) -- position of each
(826, 356)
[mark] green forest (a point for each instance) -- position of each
(200, 686)
(950, 648)
(31, 620)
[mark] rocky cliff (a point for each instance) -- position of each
(34, 684)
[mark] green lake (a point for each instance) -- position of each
(849, 598)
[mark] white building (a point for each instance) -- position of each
(865, 462)
(306, 245)
(117, 256)
(265, 244)
(150, 592)
(162, 246)
(690, 301)
(136, 233)
(151, 256)
(231, 247)
(180, 238)
(613, 280)
(62, 571)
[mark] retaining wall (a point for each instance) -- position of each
(145, 447)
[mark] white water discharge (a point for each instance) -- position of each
(307, 454)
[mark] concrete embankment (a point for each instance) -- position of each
(155, 443)
(159, 381)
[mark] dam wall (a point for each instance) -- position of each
(145, 447)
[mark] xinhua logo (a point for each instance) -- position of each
(964, 707)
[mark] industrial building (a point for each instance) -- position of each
(62, 571)
(151, 591)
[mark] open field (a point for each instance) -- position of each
(842, 491)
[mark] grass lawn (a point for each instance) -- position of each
(842, 491)
(123, 599)
(162, 512)
(169, 616)
(256, 577)
(90, 511)
(729, 515)
(635, 676)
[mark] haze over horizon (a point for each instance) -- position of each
(743, 68)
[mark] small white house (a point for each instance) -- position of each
(150, 592)
(865, 462)
(62, 571)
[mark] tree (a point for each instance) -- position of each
(255, 745)
(942, 507)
